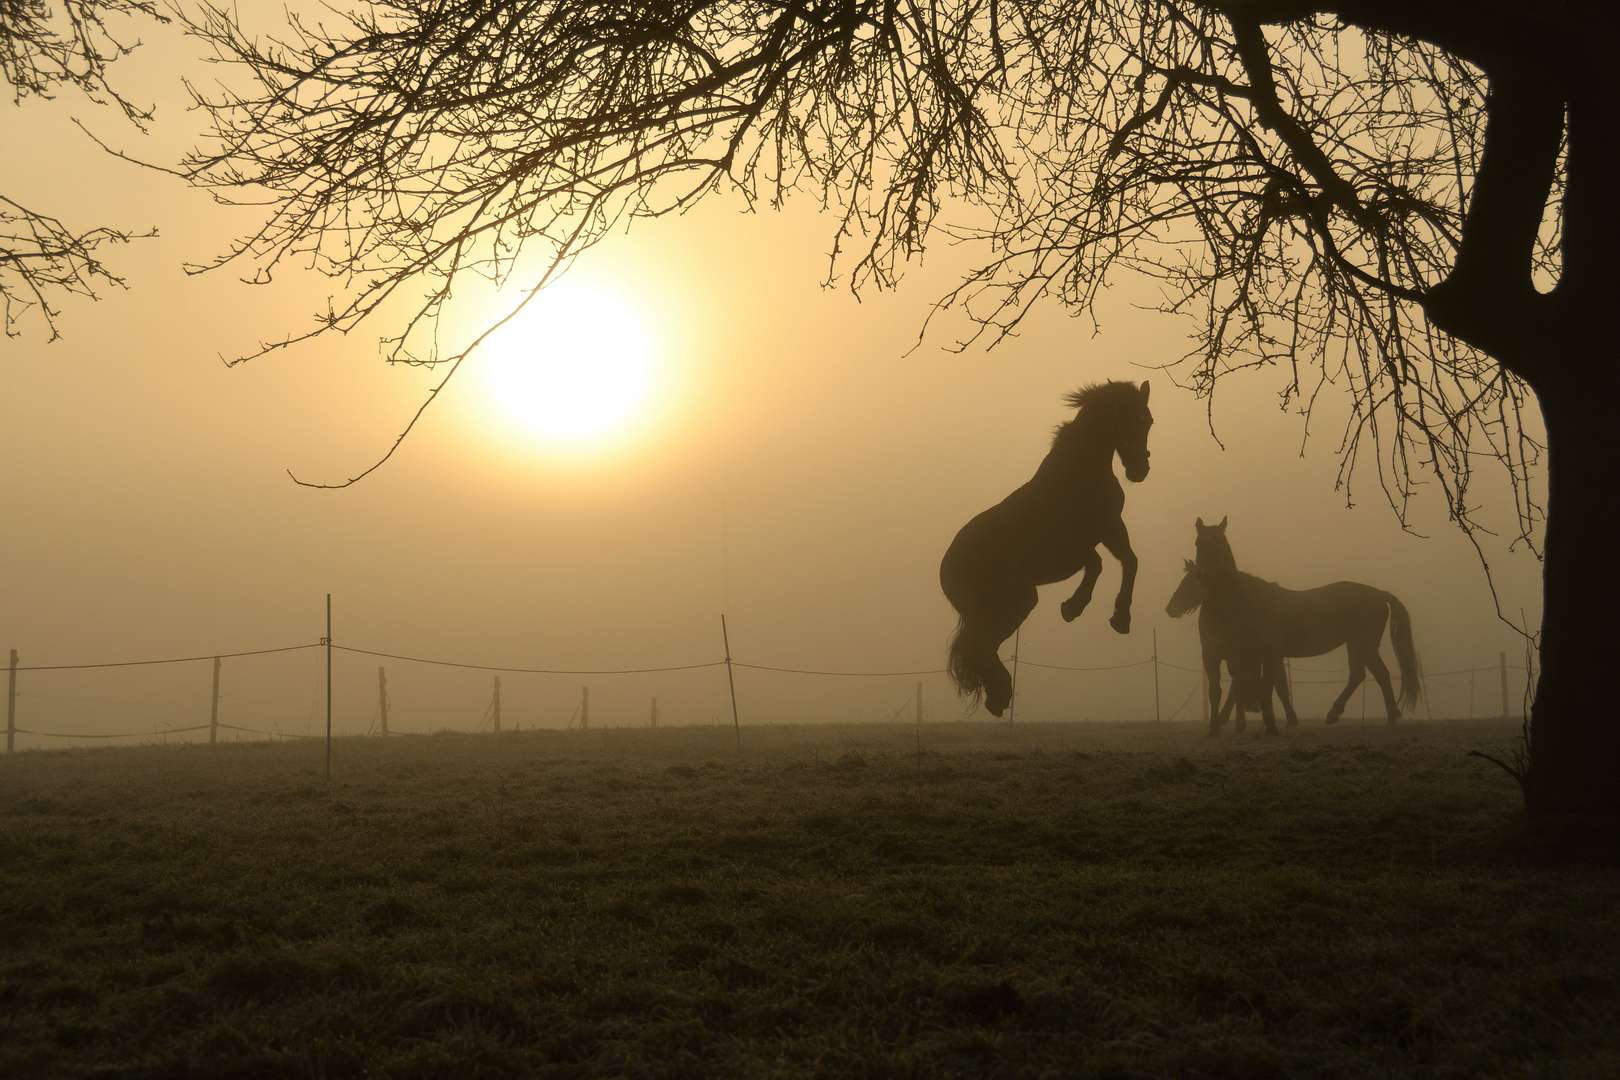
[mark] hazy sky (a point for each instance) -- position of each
(146, 511)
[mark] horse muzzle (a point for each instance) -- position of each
(1136, 471)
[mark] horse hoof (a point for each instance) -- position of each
(1070, 613)
(1271, 729)
(1332, 719)
(1293, 721)
(1121, 623)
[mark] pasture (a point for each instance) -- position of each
(962, 899)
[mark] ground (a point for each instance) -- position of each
(952, 900)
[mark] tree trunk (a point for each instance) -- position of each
(1575, 721)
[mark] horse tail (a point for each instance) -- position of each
(1400, 636)
(959, 665)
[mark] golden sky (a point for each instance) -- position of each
(147, 510)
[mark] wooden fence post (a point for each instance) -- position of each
(382, 697)
(497, 705)
(1501, 659)
(731, 681)
(1012, 702)
(584, 708)
(654, 721)
(327, 641)
(11, 705)
(1157, 717)
(213, 712)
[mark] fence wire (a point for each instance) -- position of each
(1035, 701)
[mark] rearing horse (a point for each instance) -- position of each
(1044, 532)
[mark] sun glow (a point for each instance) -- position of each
(573, 367)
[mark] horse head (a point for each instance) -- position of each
(1188, 595)
(1113, 418)
(1134, 422)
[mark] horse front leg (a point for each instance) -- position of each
(1285, 694)
(1233, 704)
(1091, 566)
(1274, 679)
(1267, 714)
(1212, 688)
(1118, 543)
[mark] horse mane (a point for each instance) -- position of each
(1079, 399)
(1088, 395)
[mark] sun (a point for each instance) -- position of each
(574, 366)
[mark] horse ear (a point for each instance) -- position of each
(1144, 391)
(1199, 525)
(1222, 525)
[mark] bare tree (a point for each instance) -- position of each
(1407, 201)
(42, 50)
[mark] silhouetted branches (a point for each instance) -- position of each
(1518, 766)
(427, 140)
(40, 258)
(41, 50)
(1300, 186)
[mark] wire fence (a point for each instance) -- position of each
(277, 693)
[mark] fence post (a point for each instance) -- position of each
(213, 713)
(731, 680)
(1012, 702)
(919, 703)
(584, 708)
(1156, 717)
(327, 641)
(11, 705)
(497, 705)
(1501, 659)
(382, 697)
(654, 721)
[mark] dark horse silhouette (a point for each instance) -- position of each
(1251, 676)
(1259, 622)
(1045, 532)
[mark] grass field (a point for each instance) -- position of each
(1040, 900)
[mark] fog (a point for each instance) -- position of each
(804, 466)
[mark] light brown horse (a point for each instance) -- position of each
(1259, 622)
(1249, 680)
(1044, 532)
